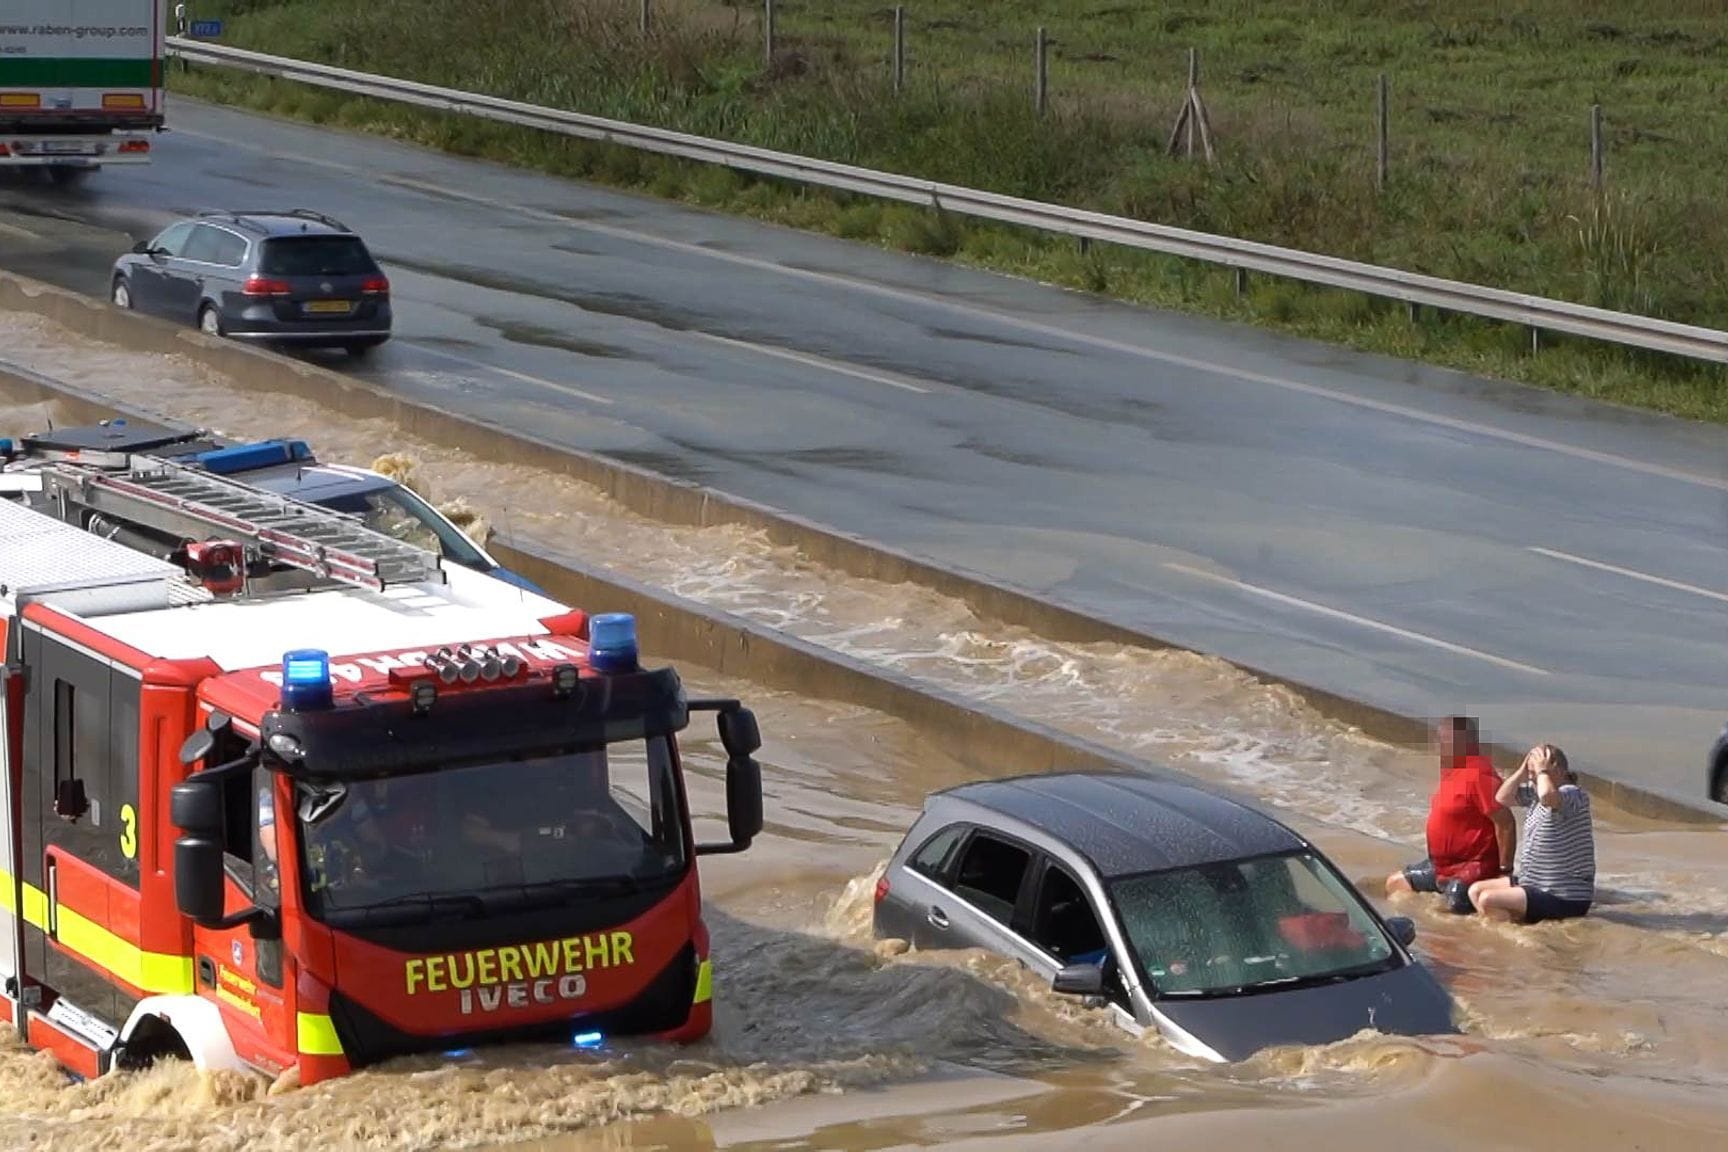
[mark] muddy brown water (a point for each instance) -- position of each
(1604, 1034)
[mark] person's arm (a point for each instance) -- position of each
(1547, 792)
(1508, 792)
(1506, 832)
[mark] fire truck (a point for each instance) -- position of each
(284, 794)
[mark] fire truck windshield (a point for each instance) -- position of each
(492, 836)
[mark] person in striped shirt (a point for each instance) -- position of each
(1555, 878)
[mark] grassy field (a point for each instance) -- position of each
(1489, 154)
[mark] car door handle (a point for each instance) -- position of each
(937, 917)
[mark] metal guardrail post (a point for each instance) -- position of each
(768, 32)
(646, 18)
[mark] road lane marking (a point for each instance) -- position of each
(923, 299)
(1630, 573)
(811, 361)
(1352, 618)
(513, 374)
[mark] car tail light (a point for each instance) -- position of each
(881, 889)
(376, 286)
(264, 286)
(135, 146)
(5, 151)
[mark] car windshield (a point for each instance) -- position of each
(316, 256)
(397, 512)
(1245, 925)
(598, 821)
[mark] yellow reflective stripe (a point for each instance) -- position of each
(151, 971)
(704, 982)
(317, 1035)
(36, 907)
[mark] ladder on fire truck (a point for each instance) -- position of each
(192, 503)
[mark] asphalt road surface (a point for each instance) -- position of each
(1421, 539)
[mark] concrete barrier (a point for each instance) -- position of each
(684, 503)
(679, 631)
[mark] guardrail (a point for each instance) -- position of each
(1534, 312)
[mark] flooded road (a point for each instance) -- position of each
(1605, 1034)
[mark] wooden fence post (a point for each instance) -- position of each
(1596, 147)
(1041, 81)
(1381, 132)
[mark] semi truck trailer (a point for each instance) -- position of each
(81, 84)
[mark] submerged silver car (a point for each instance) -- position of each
(1178, 909)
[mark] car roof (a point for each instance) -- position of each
(315, 483)
(280, 222)
(1126, 823)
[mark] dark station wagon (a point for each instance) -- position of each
(1178, 909)
(291, 276)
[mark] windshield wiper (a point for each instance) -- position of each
(572, 886)
(1286, 983)
(434, 901)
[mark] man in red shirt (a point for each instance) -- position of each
(1471, 835)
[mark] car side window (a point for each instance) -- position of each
(933, 859)
(204, 245)
(1064, 923)
(172, 240)
(990, 875)
(230, 249)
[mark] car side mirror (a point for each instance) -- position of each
(142, 248)
(1080, 980)
(1403, 929)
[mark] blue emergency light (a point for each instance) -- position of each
(306, 680)
(248, 457)
(6, 448)
(586, 1040)
(612, 642)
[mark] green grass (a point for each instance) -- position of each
(1489, 148)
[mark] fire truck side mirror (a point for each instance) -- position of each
(739, 733)
(743, 800)
(743, 807)
(195, 806)
(198, 745)
(203, 742)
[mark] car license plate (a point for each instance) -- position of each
(326, 307)
(68, 147)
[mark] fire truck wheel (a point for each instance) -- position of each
(151, 1041)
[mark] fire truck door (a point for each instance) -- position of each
(241, 968)
(11, 730)
(80, 831)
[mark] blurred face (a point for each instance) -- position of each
(1450, 743)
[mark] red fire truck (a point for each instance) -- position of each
(288, 795)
